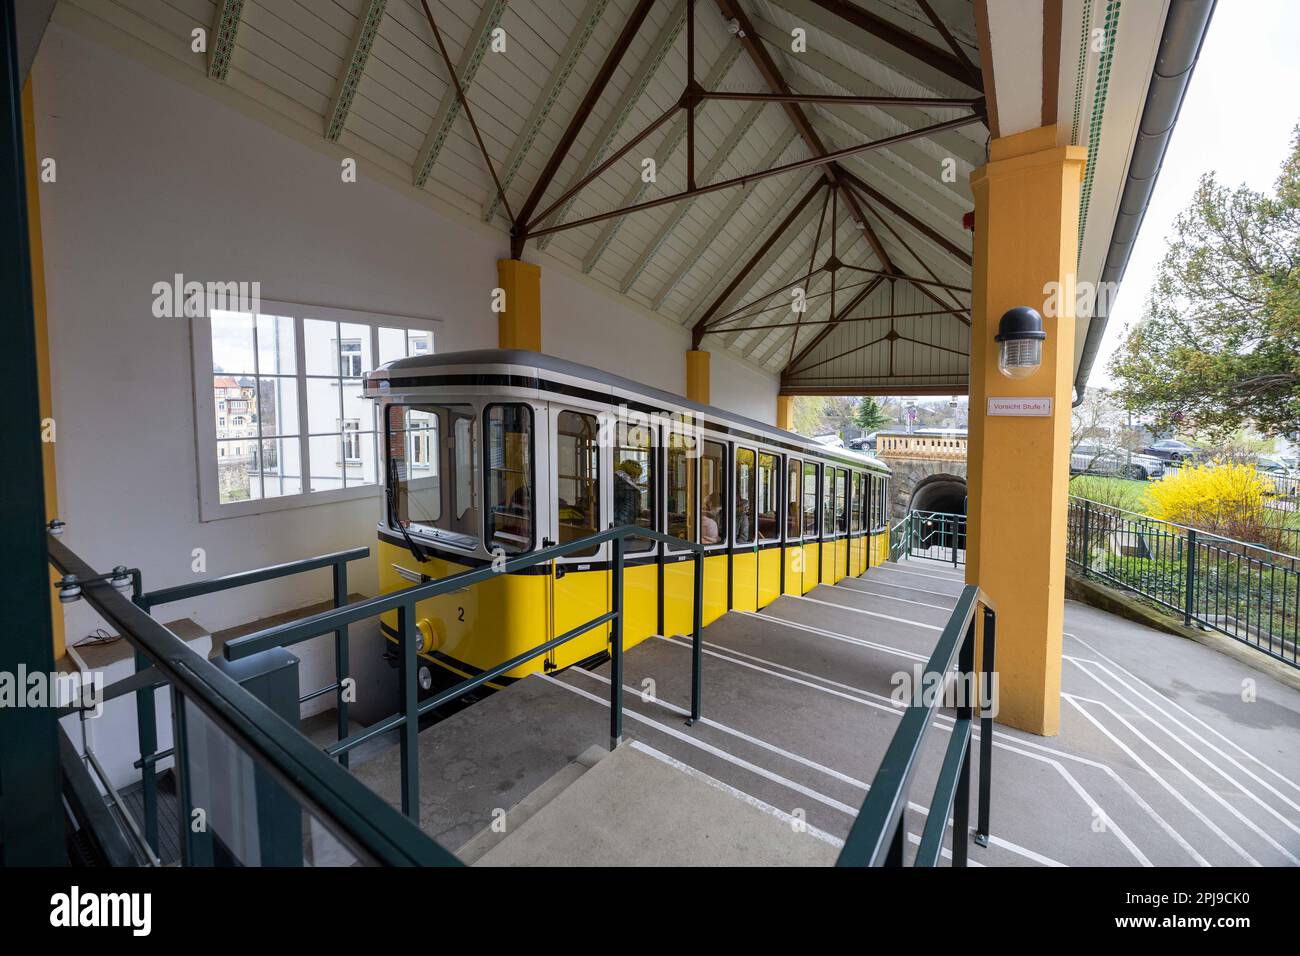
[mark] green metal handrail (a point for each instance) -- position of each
(363, 821)
(404, 602)
(880, 830)
(146, 714)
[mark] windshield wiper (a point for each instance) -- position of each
(416, 550)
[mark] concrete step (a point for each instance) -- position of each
(639, 807)
(510, 823)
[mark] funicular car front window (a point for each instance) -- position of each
(432, 471)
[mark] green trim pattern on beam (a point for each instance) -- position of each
(1085, 29)
(1104, 64)
(367, 30)
(223, 40)
(568, 60)
(630, 97)
(488, 22)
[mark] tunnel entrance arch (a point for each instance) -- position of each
(943, 493)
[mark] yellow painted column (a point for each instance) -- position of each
(42, 337)
(1026, 236)
(785, 412)
(520, 322)
(697, 376)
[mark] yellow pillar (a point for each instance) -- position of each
(1026, 236)
(520, 321)
(697, 376)
(42, 335)
(785, 412)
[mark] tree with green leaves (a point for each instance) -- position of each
(870, 416)
(1218, 345)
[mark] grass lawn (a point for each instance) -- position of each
(1118, 492)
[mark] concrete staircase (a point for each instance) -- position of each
(797, 716)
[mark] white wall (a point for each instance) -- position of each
(156, 178)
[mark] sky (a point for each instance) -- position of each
(1236, 121)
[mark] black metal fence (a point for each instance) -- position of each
(1245, 591)
(937, 535)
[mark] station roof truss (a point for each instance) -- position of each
(787, 179)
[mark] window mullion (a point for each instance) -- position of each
(304, 413)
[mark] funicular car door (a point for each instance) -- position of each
(579, 506)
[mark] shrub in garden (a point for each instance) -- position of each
(1223, 498)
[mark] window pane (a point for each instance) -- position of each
(235, 407)
(237, 471)
(769, 497)
(361, 463)
(809, 499)
(275, 347)
(841, 505)
(713, 517)
(577, 477)
(433, 480)
(745, 477)
(320, 342)
(354, 406)
(794, 477)
(277, 406)
(510, 478)
(419, 343)
(281, 467)
(828, 501)
(354, 350)
(682, 476)
(323, 411)
(232, 342)
(634, 483)
(326, 462)
(857, 501)
(392, 345)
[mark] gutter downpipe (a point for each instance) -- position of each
(1186, 25)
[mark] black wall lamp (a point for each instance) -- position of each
(1021, 335)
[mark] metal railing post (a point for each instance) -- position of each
(986, 727)
(341, 664)
(697, 637)
(1087, 547)
(952, 526)
(616, 649)
(965, 712)
(410, 732)
(1189, 572)
(146, 723)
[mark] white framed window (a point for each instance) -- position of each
(284, 423)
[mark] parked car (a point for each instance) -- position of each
(1278, 478)
(1091, 459)
(1170, 449)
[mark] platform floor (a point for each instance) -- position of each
(1162, 757)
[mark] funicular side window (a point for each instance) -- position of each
(769, 496)
(683, 486)
(841, 504)
(510, 477)
(713, 486)
(634, 484)
(745, 495)
(857, 502)
(809, 500)
(793, 519)
(577, 456)
(828, 501)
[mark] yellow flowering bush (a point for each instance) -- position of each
(1219, 497)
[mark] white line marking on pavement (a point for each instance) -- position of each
(861, 642)
(1174, 703)
(1177, 795)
